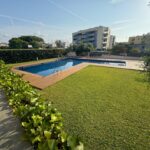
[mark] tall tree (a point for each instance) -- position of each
(30, 39)
(60, 44)
(120, 48)
(16, 43)
(81, 48)
(24, 41)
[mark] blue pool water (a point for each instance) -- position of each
(49, 68)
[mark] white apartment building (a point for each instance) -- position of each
(112, 41)
(98, 36)
(136, 40)
(141, 42)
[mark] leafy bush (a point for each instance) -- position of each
(15, 56)
(81, 49)
(42, 123)
(120, 49)
(147, 66)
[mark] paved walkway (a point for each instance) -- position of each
(11, 133)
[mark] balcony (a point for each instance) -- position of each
(88, 39)
(104, 42)
(105, 35)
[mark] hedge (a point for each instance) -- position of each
(147, 66)
(42, 123)
(16, 56)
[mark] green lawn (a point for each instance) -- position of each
(108, 108)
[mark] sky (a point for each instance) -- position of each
(58, 19)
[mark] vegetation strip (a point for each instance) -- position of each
(16, 56)
(42, 123)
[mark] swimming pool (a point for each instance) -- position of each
(49, 68)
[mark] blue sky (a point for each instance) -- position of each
(57, 19)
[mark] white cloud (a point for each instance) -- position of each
(49, 35)
(119, 28)
(67, 10)
(38, 23)
(115, 1)
(121, 25)
(118, 22)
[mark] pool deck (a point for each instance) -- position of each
(41, 82)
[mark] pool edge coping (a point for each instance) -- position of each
(42, 82)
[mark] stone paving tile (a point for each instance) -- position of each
(11, 133)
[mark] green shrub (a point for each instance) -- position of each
(16, 56)
(42, 123)
(147, 66)
(81, 49)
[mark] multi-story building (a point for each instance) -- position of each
(98, 36)
(136, 40)
(112, 41)
(141, 42)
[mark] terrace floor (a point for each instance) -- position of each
(43, 82)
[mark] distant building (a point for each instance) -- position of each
(98, 36)
(141, 42)
(4, 45)
(112, 41)
(136, 40)
(30, 46)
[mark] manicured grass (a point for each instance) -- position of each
(108, 108)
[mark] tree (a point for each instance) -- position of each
(81, 48)
(16, 43)
(90, 47)
(147, 51)
(147, 66)
(30, 39)
(60, 44)
(121, 49)
(146, 39)
(135, 51)
(35, 44)
(24, 41)
(70, 48)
